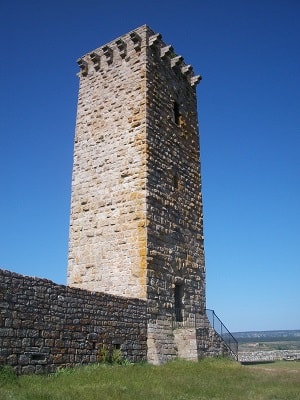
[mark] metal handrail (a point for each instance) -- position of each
(223, 332)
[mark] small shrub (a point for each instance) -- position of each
(111, 356)
(117, 357)
(7, 375)
(104, 355)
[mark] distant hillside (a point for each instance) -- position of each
(267, 336)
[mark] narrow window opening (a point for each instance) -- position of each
(117, 346)
(175, 181)
(177, 118)
(178, 296)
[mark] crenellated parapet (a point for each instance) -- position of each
(167, 54)
(96, 60)
(137, 40)
(114, 53)
(83, 66)
(122, 47)
(130, 46)
(108, 54)
(154, 39)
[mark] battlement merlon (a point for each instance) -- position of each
(131, 45)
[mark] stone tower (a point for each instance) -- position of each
(136, 210)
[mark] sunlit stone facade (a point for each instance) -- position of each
(136, 211)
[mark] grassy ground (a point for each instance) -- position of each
(280, 366)
(211, 379)
(270, 345)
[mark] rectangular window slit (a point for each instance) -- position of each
(178, 296)
(177, 118)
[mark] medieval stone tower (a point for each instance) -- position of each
(136, 212)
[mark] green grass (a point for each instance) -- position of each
(289, 366)
(269, 345)
(211, 379)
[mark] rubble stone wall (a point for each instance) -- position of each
(44, 326)
(268, 355)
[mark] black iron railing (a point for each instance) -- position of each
(223, 332)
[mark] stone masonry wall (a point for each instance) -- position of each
(44, 326)
(107, 246)
(268, 355)
(175, 254)
(209, 343)
(174, 205)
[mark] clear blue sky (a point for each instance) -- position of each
(249, 101)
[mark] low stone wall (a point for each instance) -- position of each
(44, 325)
(268, 355)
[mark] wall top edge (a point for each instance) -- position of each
(143, 30)
(32, 281)
(130, 45)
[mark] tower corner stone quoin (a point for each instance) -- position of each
(136, 210)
